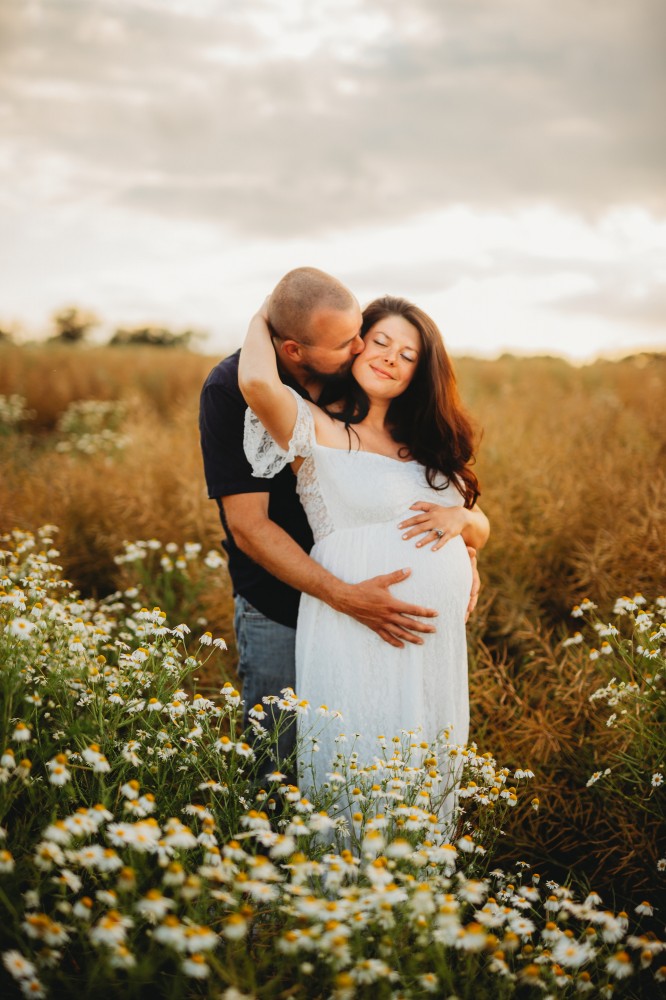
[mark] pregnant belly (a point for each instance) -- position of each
(441, 580)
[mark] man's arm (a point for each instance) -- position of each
(370, 602)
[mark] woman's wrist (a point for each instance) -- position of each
(476, 530)
(468, 526)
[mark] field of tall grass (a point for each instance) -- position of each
(103, 444)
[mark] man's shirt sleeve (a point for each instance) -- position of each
(221, 424)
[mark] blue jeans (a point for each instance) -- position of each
(266, 664)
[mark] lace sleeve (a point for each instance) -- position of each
(265, 456)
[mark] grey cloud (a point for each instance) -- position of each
(486, 104)
(419, 279)
(632, 288)
(614, 300)
(627, 290)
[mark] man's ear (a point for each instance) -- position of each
(292, 350)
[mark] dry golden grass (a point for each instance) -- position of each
(572, 470)
(572, 464)
(154, 488)
(52, 376)
(537, 710)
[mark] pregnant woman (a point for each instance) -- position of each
(389, 459)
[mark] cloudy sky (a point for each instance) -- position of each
(501, 162)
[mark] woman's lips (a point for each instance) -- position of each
(380, 372)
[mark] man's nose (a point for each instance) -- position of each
(358, 345)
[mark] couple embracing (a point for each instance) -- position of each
(337, 449)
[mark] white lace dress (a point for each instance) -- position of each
(354, 501)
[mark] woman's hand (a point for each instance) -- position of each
(438, 524)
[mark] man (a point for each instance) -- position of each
(316, 325)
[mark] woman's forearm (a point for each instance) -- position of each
(477, 529)
(259, 381)
(257, 368)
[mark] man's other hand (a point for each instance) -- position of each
(476, 582)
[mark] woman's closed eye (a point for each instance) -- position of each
(382, 342)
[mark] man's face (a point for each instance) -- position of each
(336, 340)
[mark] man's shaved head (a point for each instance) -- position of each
(298, 295)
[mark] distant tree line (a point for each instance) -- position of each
(72, 325)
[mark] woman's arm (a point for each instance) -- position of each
(260, 383)
(439, 524)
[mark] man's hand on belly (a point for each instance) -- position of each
(372, 604)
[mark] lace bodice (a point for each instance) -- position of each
(266, 457)
(340, 488)
(354, 501)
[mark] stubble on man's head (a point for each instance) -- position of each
(298, 296)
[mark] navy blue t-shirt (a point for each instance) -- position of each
(227, 470)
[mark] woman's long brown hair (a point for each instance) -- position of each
(428, 418)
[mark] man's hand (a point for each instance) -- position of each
(372, 604)
(476, 583)
(369, 602)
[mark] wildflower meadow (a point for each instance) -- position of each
(151, 847)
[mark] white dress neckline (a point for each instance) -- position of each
(364, 451)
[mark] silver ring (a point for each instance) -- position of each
(438, 532)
